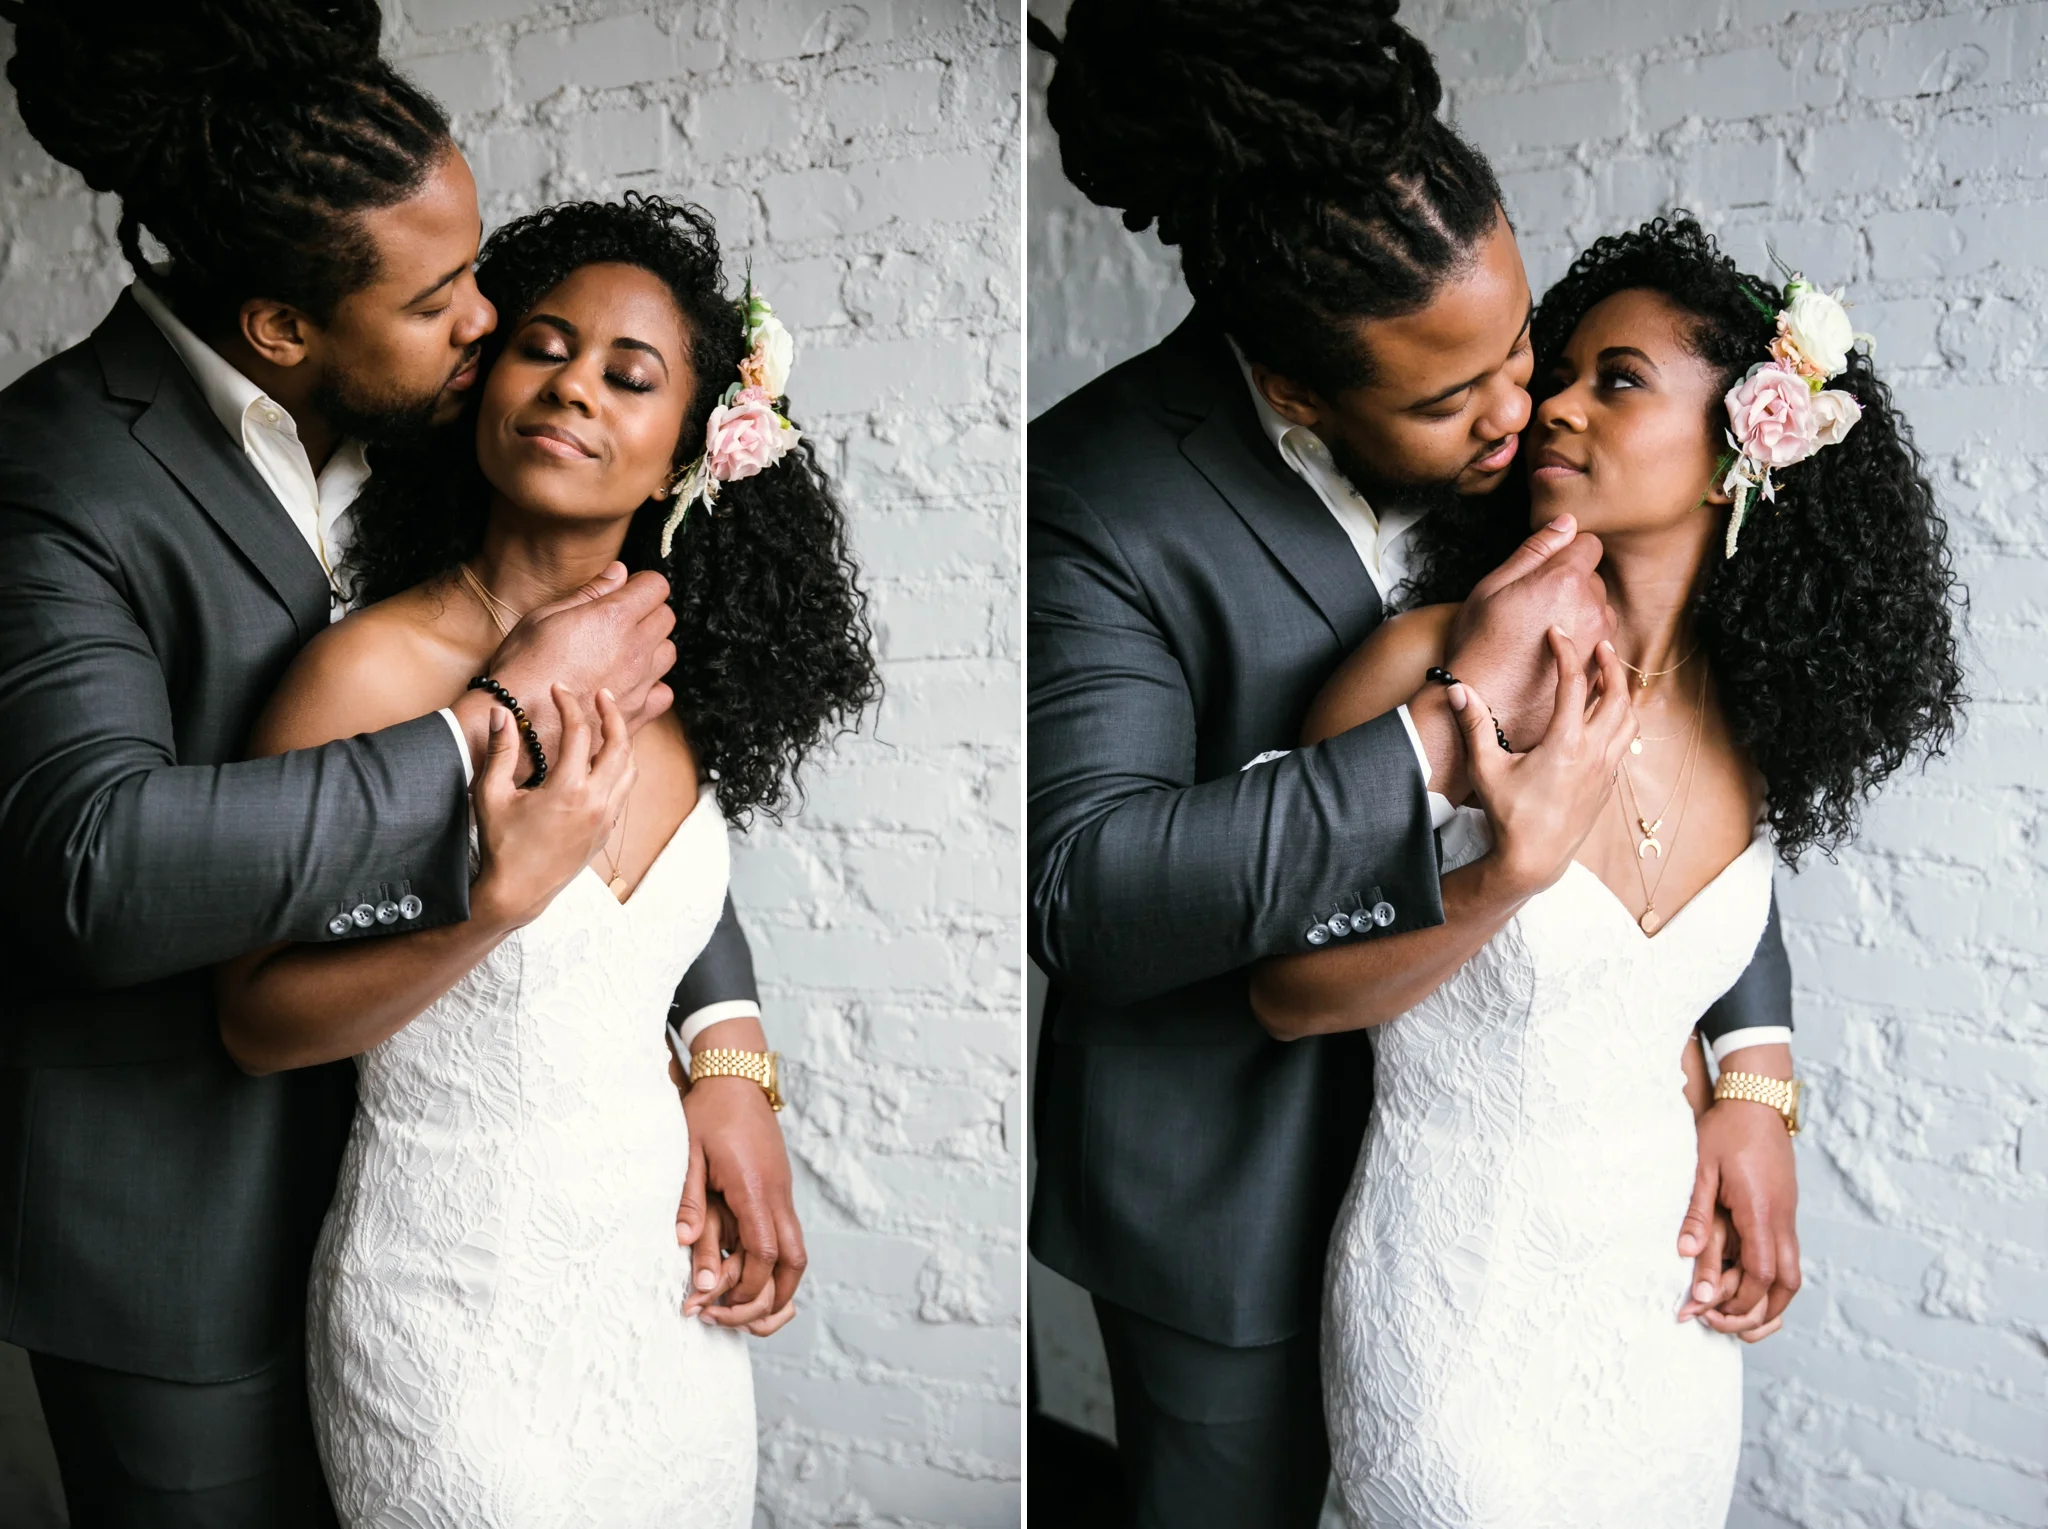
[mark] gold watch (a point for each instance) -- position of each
(1781, 1094)
(755, 1066)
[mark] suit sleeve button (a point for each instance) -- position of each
(387, 912)
(339, 924)
(1383, 914)
(363, 914)
(409, 906)
(1318, 934)
(1340, 924)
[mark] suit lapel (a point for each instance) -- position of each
(182, 434)
(1230, 450)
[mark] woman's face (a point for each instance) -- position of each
(581, 413)
(1622, 436)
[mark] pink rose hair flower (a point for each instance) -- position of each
(744, 435)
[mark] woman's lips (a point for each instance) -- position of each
(1549, 467)
(1499, 457)
(556, 442)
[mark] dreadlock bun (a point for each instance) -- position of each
(1290, 148)
(241, 133)
(112, 97)
(1166, 107)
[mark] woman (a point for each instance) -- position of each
(1500, 1342)
(498, 1327)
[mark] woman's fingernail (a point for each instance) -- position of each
(1703, 1291)
(706, 1278)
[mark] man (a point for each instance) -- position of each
(1215, 525)
(173, 508)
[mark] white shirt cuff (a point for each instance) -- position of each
(1755, 1035)
(461, 745)
(1440, 808)
(682, 1036)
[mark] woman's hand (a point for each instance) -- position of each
(535, 842)
(1542, 804)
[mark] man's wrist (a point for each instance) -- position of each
(1429, 713)
(1765, 1061)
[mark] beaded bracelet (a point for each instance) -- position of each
(506, 699)
(1441, 676)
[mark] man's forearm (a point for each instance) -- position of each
(1169, 886)
(302, 1005)
(99, 871)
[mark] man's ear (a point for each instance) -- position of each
(1291, 400)
(277, 332)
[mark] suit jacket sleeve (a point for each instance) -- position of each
(1762, 995)
(1143, 879)
(123, 865)
(722, 973)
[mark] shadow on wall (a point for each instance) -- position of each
(30, 1497)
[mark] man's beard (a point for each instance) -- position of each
(355, 409)
(1384, 493)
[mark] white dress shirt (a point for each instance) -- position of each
(1382, 545)
(1380, 542)
(319, 505)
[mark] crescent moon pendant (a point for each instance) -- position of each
(1643, 850)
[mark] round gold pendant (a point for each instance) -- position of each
(1651, 921)
(1644, 850)
(618, 885)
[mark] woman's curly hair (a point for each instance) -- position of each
(1290, 148)
(1831, 632)
(773, 645)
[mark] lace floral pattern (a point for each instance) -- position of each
(1499, 1339)
(496, 1338)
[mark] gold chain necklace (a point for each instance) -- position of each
(498, 611)
(613, 879)
(1647, 841)
(1644, 676)
(495, 608)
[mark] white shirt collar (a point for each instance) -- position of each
(230, 395)
(1378, 539)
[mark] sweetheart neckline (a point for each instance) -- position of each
(623, 904)
(1613, 897)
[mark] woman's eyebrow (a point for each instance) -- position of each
(1615, 352)
(626, 342)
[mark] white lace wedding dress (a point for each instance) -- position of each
(1499, 1333)
(496, 1338)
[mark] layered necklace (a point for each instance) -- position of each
(504, 617)
(1646, 829)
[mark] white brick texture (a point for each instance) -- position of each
(1902, 150)
(864, 158)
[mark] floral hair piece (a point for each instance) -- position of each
(1783, 411)
(745, 434)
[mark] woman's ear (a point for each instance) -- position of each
(1716, 494)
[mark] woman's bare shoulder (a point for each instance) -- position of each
(1383, 672)
(373, 669)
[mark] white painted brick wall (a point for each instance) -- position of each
(1901, 149)
(864, 158)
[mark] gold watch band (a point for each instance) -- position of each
(760, 1067)
(1781, 1094)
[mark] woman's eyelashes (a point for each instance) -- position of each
(554, 355)
(1616, 375)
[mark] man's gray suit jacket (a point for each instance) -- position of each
(1188, 597)
(157, 1207)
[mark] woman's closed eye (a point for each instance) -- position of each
(629, 382)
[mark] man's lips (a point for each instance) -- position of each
(465, 376)
(556, 441)
(1497, 458)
